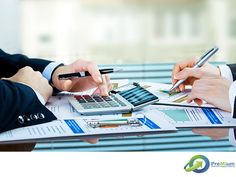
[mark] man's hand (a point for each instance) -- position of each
(214, 91)
(185, 70)
(102, 83)
(33, 79)
(214, 133)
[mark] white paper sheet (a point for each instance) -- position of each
(194, 117)
(175, 99)
(151, 122)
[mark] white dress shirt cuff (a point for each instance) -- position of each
(40, 97)
(232, 95)
(47, 73)
(226, 72)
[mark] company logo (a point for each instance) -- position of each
(198, 164)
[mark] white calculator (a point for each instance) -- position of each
(130, 98)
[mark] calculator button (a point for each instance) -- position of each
(120, 102)
(90, 105)
(113, 104)
(98, 99)
(80, 99)
(105, 105)
(95, 105)
(106, 98)
(88, 98)
(85, 106)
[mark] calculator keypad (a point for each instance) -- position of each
(96, 101)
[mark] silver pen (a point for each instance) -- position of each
(200, 63)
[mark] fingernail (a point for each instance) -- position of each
(105, 92)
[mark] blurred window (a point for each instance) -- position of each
(133, 31)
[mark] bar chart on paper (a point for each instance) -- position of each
(195, 117)
(177, 115)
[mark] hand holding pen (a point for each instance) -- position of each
(68, 76)
(79, 84)
(187, 71)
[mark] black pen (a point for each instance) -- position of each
(85, 74)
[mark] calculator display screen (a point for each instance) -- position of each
(137, 96)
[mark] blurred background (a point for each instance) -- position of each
(118, 31)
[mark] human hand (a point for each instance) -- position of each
(185, 70)
(102, 82)
(213, 133)
(90, 140)
(213, 90)
(33, 79)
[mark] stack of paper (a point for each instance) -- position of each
(165, 116)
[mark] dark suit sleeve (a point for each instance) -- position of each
(10, 64)
(233, 69)
(20, 107)
(19, 104)
(234, 116)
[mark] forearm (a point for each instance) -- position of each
(19, 101)
(10, 64)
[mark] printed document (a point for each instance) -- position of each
(195, 117)
(174, 99)
(146, 123)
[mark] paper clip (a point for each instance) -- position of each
(118, 122)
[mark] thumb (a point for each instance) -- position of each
(66, 85)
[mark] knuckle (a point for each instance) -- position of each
(176, 65)
(200, 72)
(186, 71)
(27, 68)
(38, 73)
(91, 64)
